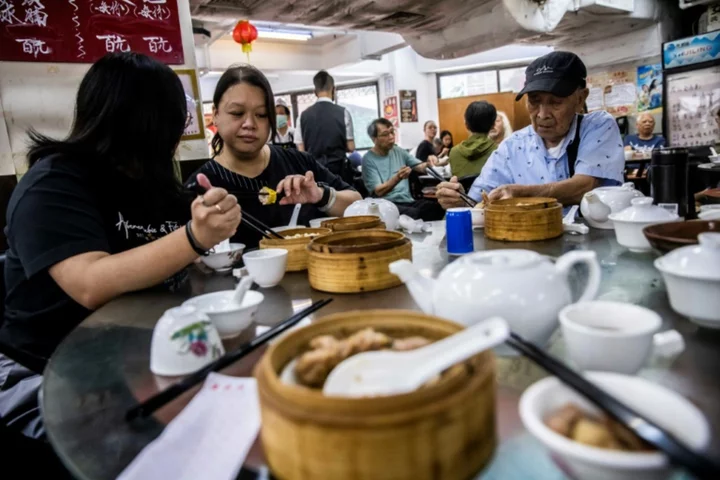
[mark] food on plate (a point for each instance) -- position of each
(267, 196)
(326, 352)
(300, 235)
(596, 431)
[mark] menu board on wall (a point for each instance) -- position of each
(82, 31)
(619, 96)
(693, 101)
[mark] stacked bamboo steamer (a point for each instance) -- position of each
(356, 261)
(523, 219)
(359, 222)
(446, 430)
(296, 247)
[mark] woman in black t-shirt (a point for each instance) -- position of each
(99, 214)
(244, 114)
(426, 148)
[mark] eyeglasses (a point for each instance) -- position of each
(387, 133)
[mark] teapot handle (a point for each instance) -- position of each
(565, 263)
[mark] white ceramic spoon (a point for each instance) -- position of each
(393, 373)
(242, 287)
(295, 215)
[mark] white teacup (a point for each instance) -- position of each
(184, 341)
(266, 266)
(614, 336)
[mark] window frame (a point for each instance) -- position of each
(466, 71)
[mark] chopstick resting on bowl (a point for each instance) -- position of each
(643, 427)
(161, 399)
(247, 219)
(466, 198)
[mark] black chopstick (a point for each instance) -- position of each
(260, 226)
(171, 393)
(466, 198)
(643, 427)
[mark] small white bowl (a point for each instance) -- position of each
(478, 217)
(714, 159)
(609, 336)
(662, 405)
(223, 261)
(266, 266)
(709, 214)
(184, 340)
(229, 318)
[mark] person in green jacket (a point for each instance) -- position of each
(470, 156)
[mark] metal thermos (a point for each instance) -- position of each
(669, 178)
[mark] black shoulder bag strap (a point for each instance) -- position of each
(572, 149)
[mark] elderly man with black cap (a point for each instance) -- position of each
(562, 154)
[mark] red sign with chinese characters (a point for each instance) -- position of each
(82, 31)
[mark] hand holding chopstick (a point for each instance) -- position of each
(643, 427)
(161, 399)
(465, 197)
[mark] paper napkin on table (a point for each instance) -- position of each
(209, 439)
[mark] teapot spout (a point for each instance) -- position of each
(597, 210)
(421, 287)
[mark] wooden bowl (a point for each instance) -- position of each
(523, 219)
(296, 247)
(442, 431)
(357, 241)
(360, 222)
(356, 271)
(711, 196)
(664, 237)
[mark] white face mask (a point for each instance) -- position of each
(282, 121)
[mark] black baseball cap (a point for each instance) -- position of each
(559, 73)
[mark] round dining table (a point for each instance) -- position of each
(101, 369)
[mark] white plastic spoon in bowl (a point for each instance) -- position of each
(242, 287)
(714, 153)
(393, 373)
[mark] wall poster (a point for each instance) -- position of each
(408, 106)
(195, 125)
(649, 87)
(390, 111)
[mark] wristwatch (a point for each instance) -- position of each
(326, 194)
(328, 199)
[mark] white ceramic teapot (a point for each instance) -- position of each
(597, 204)
(384, 209)
(522, 286)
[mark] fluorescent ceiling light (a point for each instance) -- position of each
(298, 36)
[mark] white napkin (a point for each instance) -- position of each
(411, 225)
(209, 439)
(223, 246)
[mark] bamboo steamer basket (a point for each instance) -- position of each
(365, 269)
(296, 247)
(360, 222)
(352, 242)
(444, 431)
(523, 219)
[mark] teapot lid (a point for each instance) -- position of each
(695, 261)
(642, 210)
(503, 259)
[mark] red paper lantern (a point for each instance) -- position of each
(245, 33)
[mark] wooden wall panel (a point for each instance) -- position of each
(452, 112)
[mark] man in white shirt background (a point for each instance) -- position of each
(325, 130)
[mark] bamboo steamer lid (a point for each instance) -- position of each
(443, 431)
(296, 247)
(358, 241)
(523, 219)
(360, 222)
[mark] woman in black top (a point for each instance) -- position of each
(244, 114)
(447, 143)
(426, 147)
(99, 214)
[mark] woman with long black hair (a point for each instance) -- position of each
(244, 114)
(99, 214)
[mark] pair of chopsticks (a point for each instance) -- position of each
(643, 427)
(247, 219)
(466, 198)
(161, 399)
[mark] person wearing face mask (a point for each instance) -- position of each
(243, 163)
(285, 136)
(562, 154)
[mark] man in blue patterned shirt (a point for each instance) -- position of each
(537, 161)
